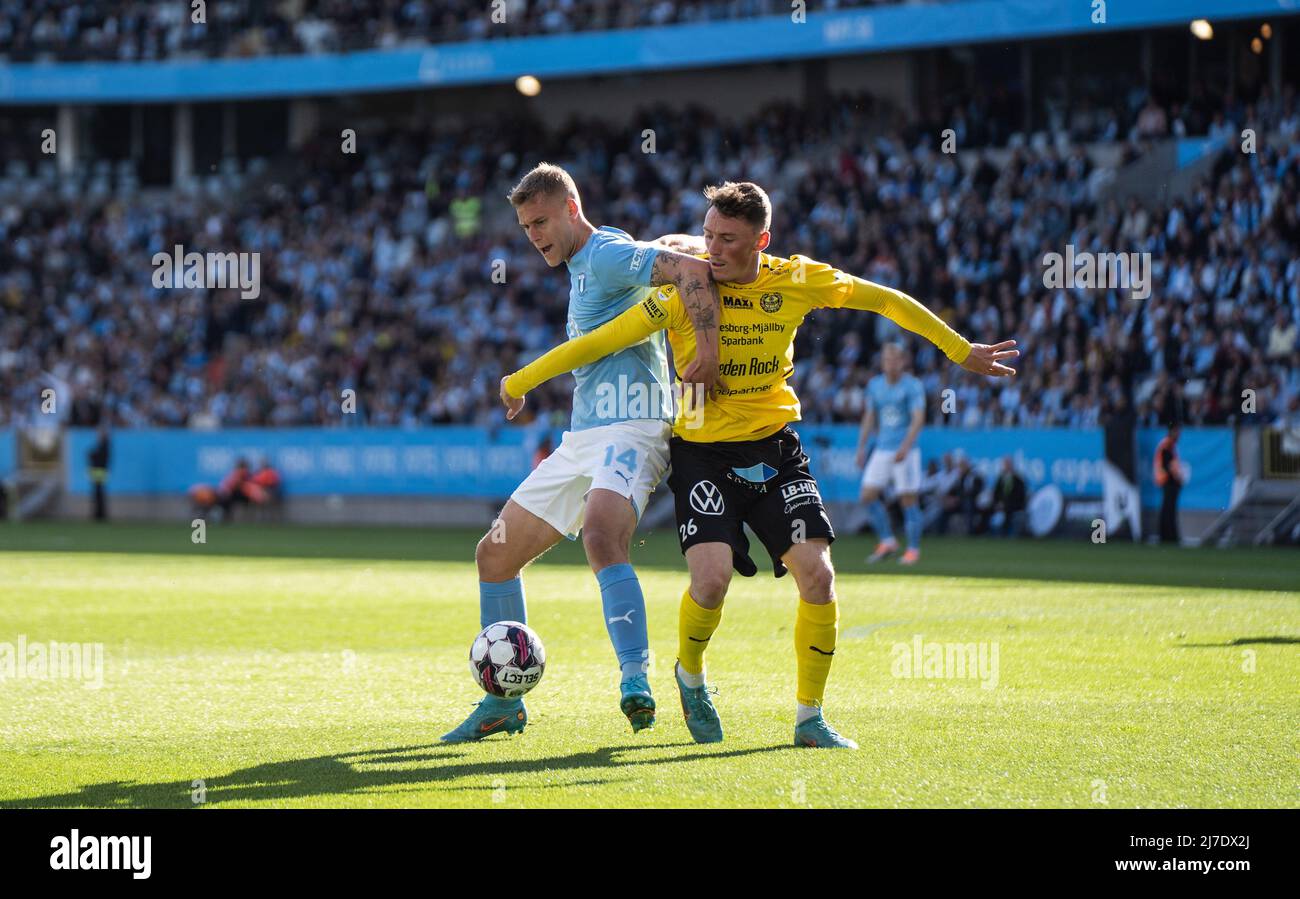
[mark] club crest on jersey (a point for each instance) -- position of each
(706, 498)
(582, 282)
(771, 302)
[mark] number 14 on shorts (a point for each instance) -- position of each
(627, 458)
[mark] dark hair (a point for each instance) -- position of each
(742, 200)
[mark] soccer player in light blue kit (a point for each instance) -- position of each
(897, 400)
(598, 479)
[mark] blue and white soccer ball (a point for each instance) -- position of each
(507, 659)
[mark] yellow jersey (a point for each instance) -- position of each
(756, 330)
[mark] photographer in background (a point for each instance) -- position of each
(97, 460)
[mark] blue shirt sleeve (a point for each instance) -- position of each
(623, 263)
(916, 397)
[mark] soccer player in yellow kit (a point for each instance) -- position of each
(735, 460)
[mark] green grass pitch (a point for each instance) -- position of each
(285, 666)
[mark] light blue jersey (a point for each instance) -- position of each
(893, 405)
(608, 276)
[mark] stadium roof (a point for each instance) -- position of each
(858, 32)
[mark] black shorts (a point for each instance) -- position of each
(766, 484)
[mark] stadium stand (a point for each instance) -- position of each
(122, 30)
(386, 286)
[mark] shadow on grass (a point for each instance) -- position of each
(1056, 560)
(371, 772)
(1246, 641)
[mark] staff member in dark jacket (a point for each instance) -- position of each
(1169, 477)
(1009, 498)
(98, 459)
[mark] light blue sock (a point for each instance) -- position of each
(624, 605)
(880, 520)
(912, 525)
(501, 602)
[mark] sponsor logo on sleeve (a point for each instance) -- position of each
(638, 259)
(653, 309)
(800, 493)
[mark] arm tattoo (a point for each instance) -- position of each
(699, 296)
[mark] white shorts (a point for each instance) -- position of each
(628, 457)
(882, 470)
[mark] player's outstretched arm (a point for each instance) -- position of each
(633, 326)
(699, 294)
(981, 358)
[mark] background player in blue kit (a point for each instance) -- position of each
(895, 400)
(598, 479)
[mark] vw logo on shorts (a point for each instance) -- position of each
(706, 498)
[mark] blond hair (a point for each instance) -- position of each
(544, 180)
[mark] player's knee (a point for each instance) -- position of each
(820, 586)
(604, 547)
(816, 580)
(709, 587)
(492, 560)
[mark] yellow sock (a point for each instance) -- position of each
(815, 629)
(695, 625)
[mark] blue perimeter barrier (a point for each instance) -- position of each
(8, 451)
(471, 462)
(858, 32)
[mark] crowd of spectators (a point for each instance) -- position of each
(137, 30)
(377, 275)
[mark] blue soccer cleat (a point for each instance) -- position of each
(492, 715)
(637, 703)
(701, 717)
(815, 732)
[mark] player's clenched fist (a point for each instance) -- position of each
(984, 359)
(703, 371)
(512, 403)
